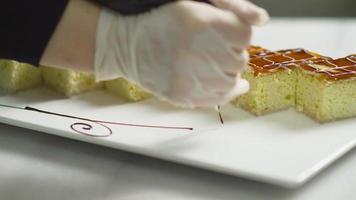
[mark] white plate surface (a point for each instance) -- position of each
(284, 148)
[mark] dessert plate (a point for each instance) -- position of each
(284, 148)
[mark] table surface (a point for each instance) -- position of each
(39, 166)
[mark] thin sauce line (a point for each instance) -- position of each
(28, 108)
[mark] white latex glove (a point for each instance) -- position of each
(188, 53)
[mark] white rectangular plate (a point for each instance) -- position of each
(284, 148)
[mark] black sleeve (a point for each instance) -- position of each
(133, 6)
(136, 6)
(26, 26)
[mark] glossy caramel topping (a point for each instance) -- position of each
(265, 61)
(280, 60)
(341, 68)
(256, 51)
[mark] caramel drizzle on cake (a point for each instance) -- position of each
(256, 51)
(342, 68)
(264, 61)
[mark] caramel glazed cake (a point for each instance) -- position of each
(321, 87)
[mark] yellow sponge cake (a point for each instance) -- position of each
(321, 87)
(326, 90)
(126, 90)
(69, 82)
(16, 76)
(272, 77)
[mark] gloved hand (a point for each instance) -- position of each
(188, 53)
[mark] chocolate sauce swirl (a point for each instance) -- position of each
(87, 126)
(89, 129)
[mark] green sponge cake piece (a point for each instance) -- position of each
(320, 87)
(126, 90)
(272, 79)
(268, 92)
(326, 90)
(16, 76)
(69, 82)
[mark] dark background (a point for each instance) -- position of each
(309, 8)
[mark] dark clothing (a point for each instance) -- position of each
(26, 26)
(135, 6)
